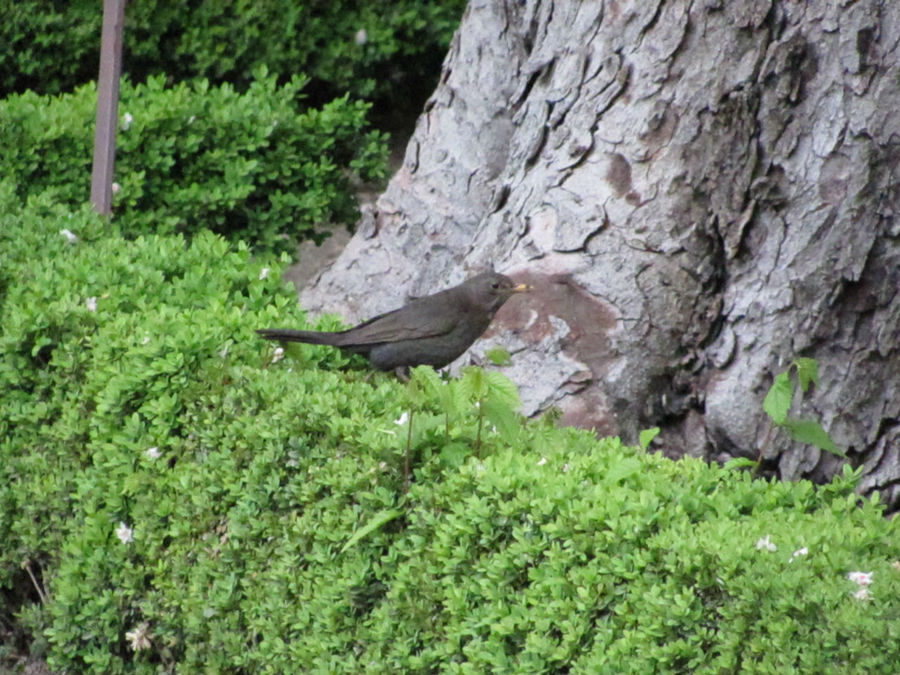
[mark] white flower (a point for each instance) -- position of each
(798, 553)
(542, 461)
(862, 593)
(278, 354)
(765, 543)
(127, 119)
(146, 340)
(402, 419)
(125, 533)
(116, 187)
(565, 468)
(861, 578)
(224, 352)
(191, 119)
(70, 236)
(139, 637)
(264, 273)
(152, 453)
(361, 37)
(91, 304)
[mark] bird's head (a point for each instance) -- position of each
(490, 290)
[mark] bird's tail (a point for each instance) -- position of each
(287, 335)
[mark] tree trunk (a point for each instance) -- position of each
(701, 192)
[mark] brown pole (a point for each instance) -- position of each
(107, 105)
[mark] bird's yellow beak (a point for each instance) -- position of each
(522, 288)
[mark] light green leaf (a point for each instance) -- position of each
(811, 432)
(645, 438)
(778, 401)
(377, 521)
(499, 355)
(502, 390)
(503, 417)
(740, 463)
(807, 371)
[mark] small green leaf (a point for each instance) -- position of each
(740, 463)
(499, 356)
(811, 432)
(645, 438)
(454, 454)
(377, 521)
(778, 401)
(807, 371)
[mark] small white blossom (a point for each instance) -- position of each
(361, 37)
(125, 533)
(264, 273)
(91, 304)
(278, 354)
(799, 553)
(70, 236)
(146, 340)
(765, 543)
(191, 119)
(116, 187)
(862, 593)
(127, 119)
(224, 352)
(861, 578)
(402, 419)
(565, 468)
(542, 461)
(139, 637)
(152, 453)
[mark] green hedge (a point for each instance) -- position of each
(272, 532)
(404, 42)
(256, 166)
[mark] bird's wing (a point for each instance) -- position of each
(421, 318)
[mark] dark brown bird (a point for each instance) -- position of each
(432, 330)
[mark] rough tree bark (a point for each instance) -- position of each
(701, 191)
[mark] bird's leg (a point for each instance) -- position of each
(402, 373)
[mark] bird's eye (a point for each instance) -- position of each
(495, 285)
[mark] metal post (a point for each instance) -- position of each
(107, 105)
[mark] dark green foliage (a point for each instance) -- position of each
(271, 528)
(257, 166)
(226, 41)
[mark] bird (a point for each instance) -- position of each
(432, 330)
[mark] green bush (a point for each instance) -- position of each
(255, 166)
(225, 42)
(191, 503)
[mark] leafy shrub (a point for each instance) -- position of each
(196, 505)
(225, 42)
(253, 166)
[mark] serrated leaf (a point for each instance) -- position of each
(502, 390)
(503, 417)
(473, 384)
(778, 401)
(811, 432)
(454, 454)
(645, 438)
(807, 371)
(377, 521)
